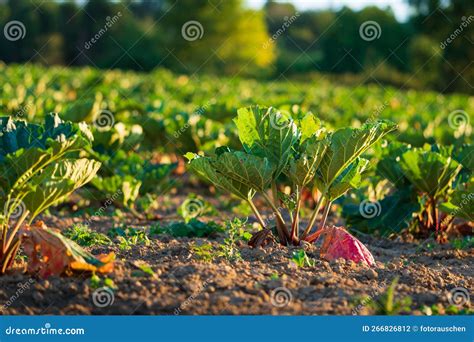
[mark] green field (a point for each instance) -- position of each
(267, 162)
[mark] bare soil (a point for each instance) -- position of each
(266, 281)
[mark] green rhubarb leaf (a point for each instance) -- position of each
(460, 204)
(350, 178)
(246, 168)
(31, 156)
(346, 145)
(309, 126)
(430, 172)
(301, 170)
(267, 132)
(205, 168)
(56, 182)
(56, 134)
(389, 166)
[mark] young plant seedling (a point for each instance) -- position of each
(387, 304)
(301, 259)
(204, 252)
(86, 237)
(129, 237)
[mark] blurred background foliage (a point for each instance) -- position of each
(237, 40)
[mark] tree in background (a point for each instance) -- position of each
(331, 41)
(21, 49)
(438, 21)
(231, 39)
(219, 36)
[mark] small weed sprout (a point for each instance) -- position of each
(301, 259)
(86, 237)
(387, 304)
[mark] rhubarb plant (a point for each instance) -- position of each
(283, 149)
(40, 166)
(431, 191)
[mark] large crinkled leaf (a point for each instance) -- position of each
(19, 166)
(309, 126)
(17, 134)
(430, 172)
(26, 149)
(49, 253)
(390, 215)
(460, 204)
(350, 178)
(267, 132)
(346, 146)
(389, 167)
(56, 182)
(302, 169)
(245, 168)
(204, 167)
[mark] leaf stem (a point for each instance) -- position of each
(325, 214)
(318, 232)
(314, 215)
(295, 224)
(314, 236)
(7, 261)
(4, 239)
(15, 230)
(256, 212)
(280, 222)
